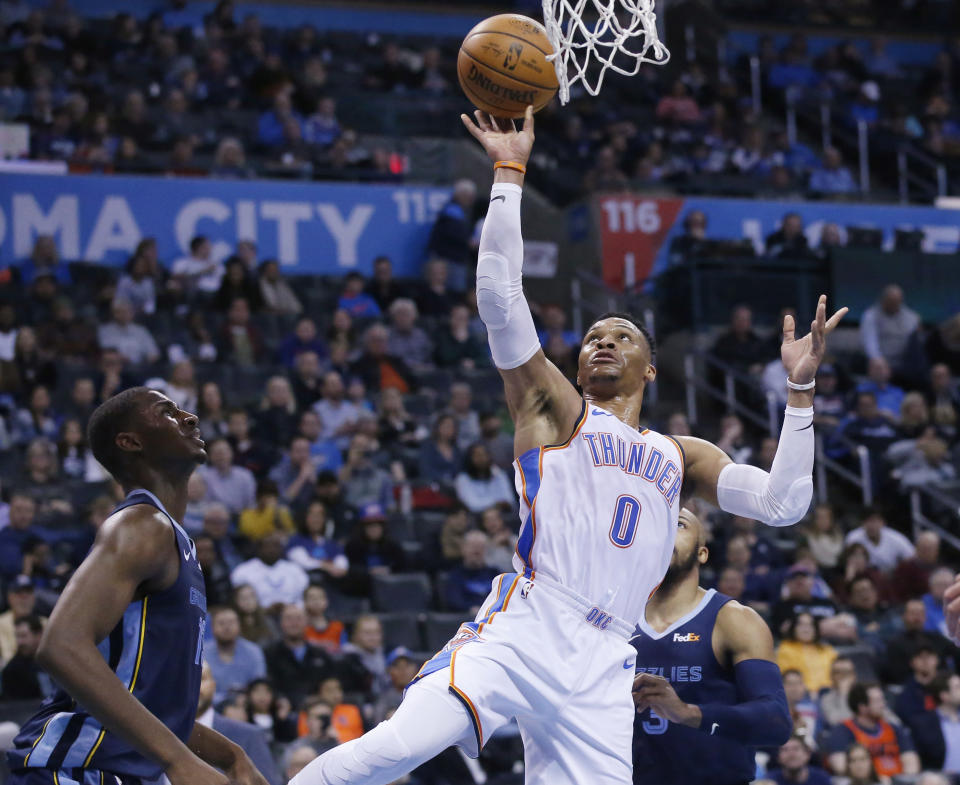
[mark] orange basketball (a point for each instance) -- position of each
(503, 68)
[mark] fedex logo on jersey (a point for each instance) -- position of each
(607, 449)
(677, 673)
(690, 637)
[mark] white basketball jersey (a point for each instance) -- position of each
(599, 512)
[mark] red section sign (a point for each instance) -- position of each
(632, 231)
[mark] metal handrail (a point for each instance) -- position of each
(920, 520)
(823, 463)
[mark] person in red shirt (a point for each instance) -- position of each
(321, 631)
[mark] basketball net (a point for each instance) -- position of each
(585, 54)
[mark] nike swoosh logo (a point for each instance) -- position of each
(186, 555)
(501, 196)
(714, 728)
(627, 664)
(598, 411)
(809, 425)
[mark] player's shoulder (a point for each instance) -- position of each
(741, 626)
(137, 527)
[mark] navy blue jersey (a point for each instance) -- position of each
(156, 651)
(668, 754)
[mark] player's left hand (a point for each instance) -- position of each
(243, 772)
(802, 357)
(656, 693)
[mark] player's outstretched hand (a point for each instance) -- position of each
(802, 357)
(243, 772)
(500, 137)
(951, 602)
(190, 770)
(657, 694)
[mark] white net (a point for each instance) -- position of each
(618, 35)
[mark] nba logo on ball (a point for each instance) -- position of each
(513, 57)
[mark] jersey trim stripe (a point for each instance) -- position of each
(683, 455)
(55, 761)
(465, 699)
(580, 421)
(37, 741)
(530, 466)
(503, 604)
(133, 679)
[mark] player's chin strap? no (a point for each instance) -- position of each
(500, 301)
(782, 496)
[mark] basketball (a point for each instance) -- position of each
(503, 66)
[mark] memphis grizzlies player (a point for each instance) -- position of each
(708, 691)
(125, 638)
(599, 503)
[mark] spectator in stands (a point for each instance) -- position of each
(914, 416)
(295, 475)
(303, 339)
(396, 428)
(875, 624)
(798, 598)
(237, 283)
(834, 704)
(750, 156)
(277, 295)
(28, 367)
(824, 538)
(297, 756)
(886, 546)
(855, 561)
(944, 400)
(832, 177)
(457, 347)
(803, 710)
(233, 486)
(321, 630)
(136, 286)
(276, 419)
(406, 339)
(678, 108)
(37, 419)
(216, 524)
(888, 329)
(915, 697)
(40, 479)
(924, 463)
(377, 368)
(322, 127)
(469, 582)
(401, 668)
(383, 287)
(605, 174)
(267, 516)
(311, 548)
(324, 453)
(802, 650)
(940, 579)
(199, 273)
(230, 161)
(247, 452)
(440, 458)
(21, 601)
(866, 425)
(795, 768)
(889, 397)
(891, 746)
(451, 238)
(364, 655)
(911, 576)
(255, 624)
(937, 732)
(306, 379)
(272, 126)
(435, 298)
(295, 665)
(193, 340)
(392, 73)
(234, 661)
(740, 346)
(370, 551)
(76, 461)
(362, 480)
(22, 678)
(355, 301)
(44, 260)
(216, 574)
(900, 648)
(346, 719)
(789, 241)
(240, 340)
(501, 542)
(132, 340)
(498, 443)
(467, 419)
(276, 580)
(481, 484)
(212, 412)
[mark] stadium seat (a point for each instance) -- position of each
(408, 592)
(401, 629)
(438, 628)
(346, 608)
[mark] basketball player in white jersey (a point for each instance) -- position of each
(599, 506)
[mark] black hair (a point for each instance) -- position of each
(32, 621)
(938, 684)
(791, 633)
(197, 241)
(110, 418)
(860, 694)
(636, 323)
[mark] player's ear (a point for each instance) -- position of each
(703, 554)
(650, 374)
(129, 441)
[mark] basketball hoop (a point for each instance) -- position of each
(580, 50)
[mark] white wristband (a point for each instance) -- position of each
(801, 387)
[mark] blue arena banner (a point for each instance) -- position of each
(319, 228)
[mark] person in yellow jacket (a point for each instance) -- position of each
(802, 650)
(268, 516)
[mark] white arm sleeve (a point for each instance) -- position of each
(500, 301)
(782, 496)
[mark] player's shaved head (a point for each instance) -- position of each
(111, 418)
(689, 549)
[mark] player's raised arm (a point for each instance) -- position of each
(543, 404)
(781, 496)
